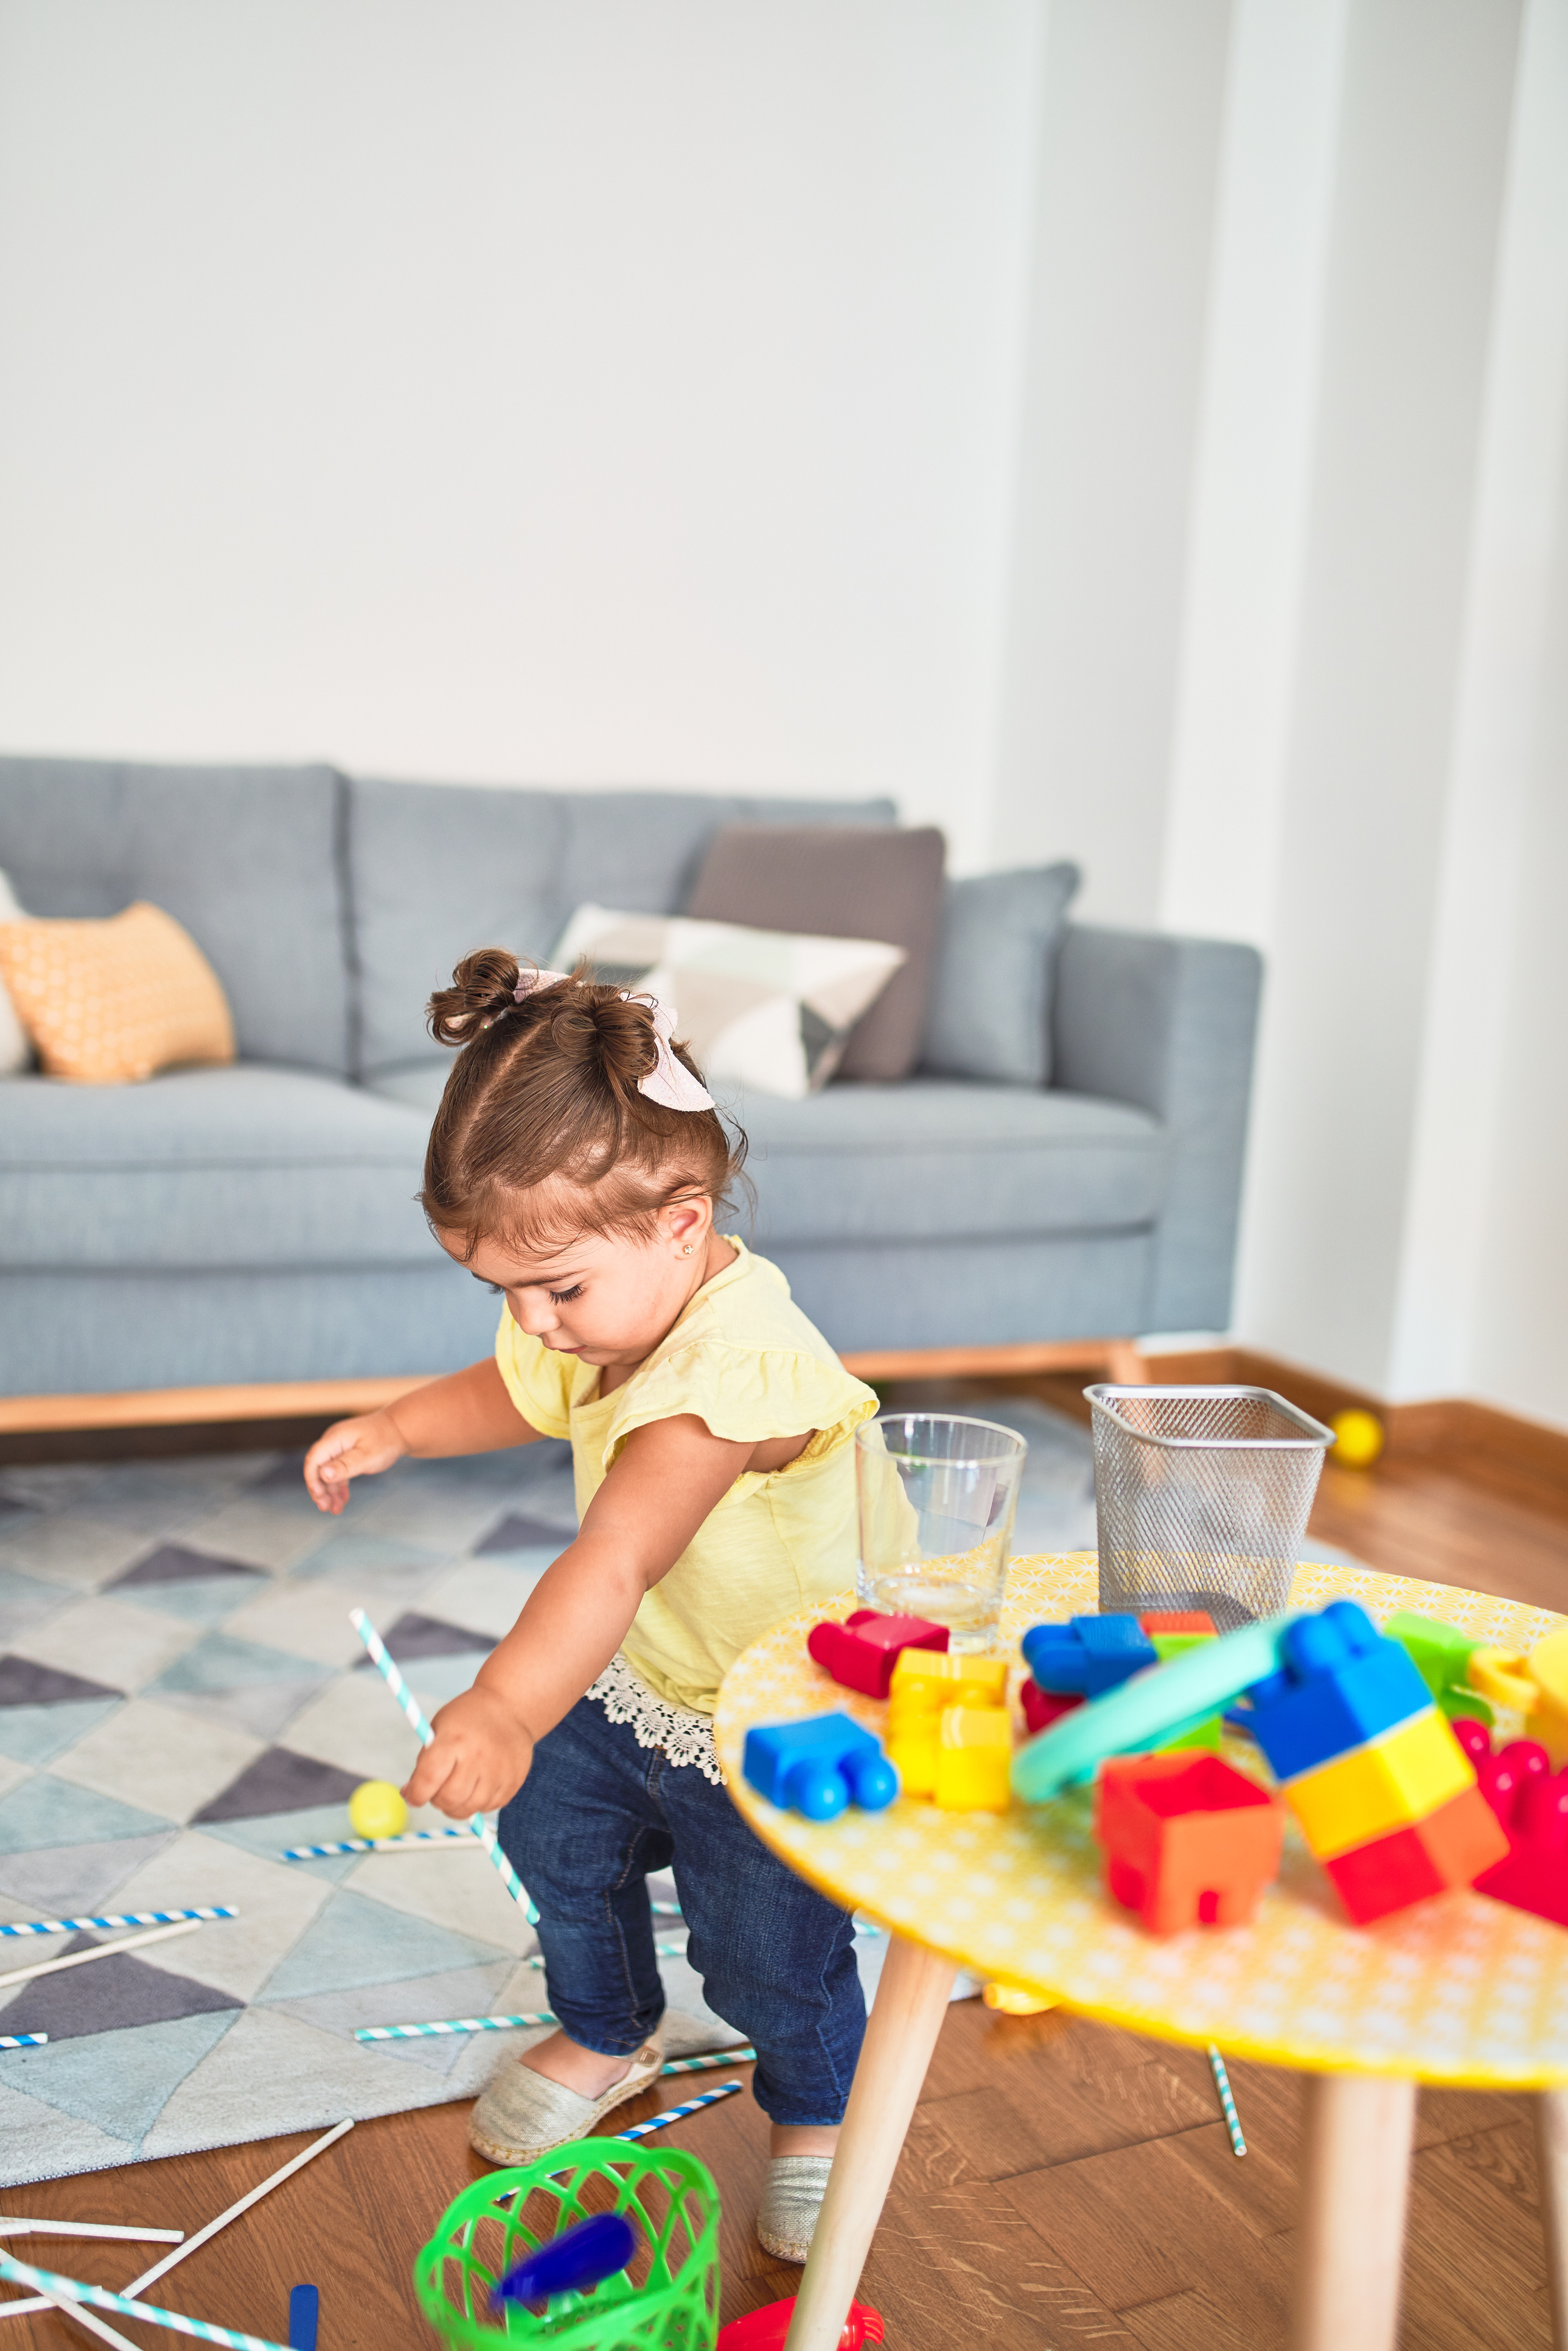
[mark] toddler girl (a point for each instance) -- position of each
(575, 1165)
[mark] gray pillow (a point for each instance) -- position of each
(995, 962)
(839, 882)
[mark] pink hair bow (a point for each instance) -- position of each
(669, 1083)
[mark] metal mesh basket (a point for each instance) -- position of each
(1201, 1497)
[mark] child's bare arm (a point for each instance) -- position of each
(469, 1412)
(669, 1476)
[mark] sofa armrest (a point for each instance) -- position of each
(1169, 1024)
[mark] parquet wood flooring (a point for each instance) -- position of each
(1064, 2185)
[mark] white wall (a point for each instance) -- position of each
(502, 390)
(1132, 429)
(1131, 106)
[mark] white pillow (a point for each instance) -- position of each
(772, 1009)
(16, 1051)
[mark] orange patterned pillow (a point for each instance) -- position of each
(108, 1001)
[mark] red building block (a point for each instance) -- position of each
(1178, 1619)
(1531, 1801)
(1450, 1847)
(862, 1652)
(1041, 1708)
(1188, 1840)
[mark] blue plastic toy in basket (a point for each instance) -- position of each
(665, 2299)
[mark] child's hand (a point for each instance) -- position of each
(351, 1448)
(479, 1760)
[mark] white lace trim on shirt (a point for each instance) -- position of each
(681, 1735)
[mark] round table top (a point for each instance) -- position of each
(1459, 1989)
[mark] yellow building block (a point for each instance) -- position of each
(974, 1757)
(911, 1745)
(926, 1683)
(1502, 1677)
(1548, 1717)
(1385, 1785)
(934, 1679)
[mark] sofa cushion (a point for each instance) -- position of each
(855, 883)
(246, 858)
(934, 1159)
(246, 1168)
(995, 962)
(438, 870)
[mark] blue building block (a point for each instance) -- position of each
(1341, 1683)
(1090, 1653)
(819, 1767)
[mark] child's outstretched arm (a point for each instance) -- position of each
(469, 1412)
(668, 1476)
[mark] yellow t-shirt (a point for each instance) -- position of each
(746, 1361)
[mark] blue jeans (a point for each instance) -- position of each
(595, 1814)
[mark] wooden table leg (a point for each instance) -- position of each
(1552, 2157)
(905, 2018)
(1356, 2182)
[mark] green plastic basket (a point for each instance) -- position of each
(665, 2300)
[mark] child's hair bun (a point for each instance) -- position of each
(484, 985)
(607, 1032)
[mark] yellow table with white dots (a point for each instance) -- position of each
(1460, 1990)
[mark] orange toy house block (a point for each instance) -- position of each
(1188, 1841)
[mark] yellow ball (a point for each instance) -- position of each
(376, 1810)
(1359, 1439)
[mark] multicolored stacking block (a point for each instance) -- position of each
(1381, 1788)
(863, 1651)
(1188, 1841)
(1531, 1801)
(926, 1687)
(819, 1767)
(1090, 1654)
(1441, 1655)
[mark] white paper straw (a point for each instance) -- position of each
(94, 2324)
(148, 2277)
(10, 2227)
(100, 1951)
(75, 2292)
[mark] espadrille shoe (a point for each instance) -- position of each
(790, 2203)
(524, 2115)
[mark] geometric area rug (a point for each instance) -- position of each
(181, 1696)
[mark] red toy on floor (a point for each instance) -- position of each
(765, 2329)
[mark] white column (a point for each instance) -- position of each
(1130, 130)
(1419, 177)
(1473, 1126)
(1242, 602)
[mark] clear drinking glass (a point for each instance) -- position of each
(936, 1495)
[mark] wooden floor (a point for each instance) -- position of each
(1063, 2184)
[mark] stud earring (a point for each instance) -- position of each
(686, 1250)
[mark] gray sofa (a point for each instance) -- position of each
(257, 1223)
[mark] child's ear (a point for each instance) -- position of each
(687, 1221)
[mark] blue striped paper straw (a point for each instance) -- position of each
(674, 2114)
(73, 2290)
(450, 2024)
(130, 1918)
(702, 2065)
(426, 1737)
(23, 2039)
(1226, 2103)
(376, 1844)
